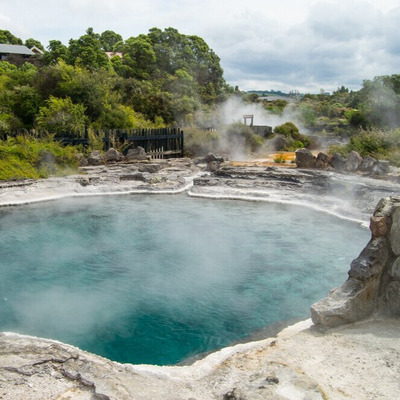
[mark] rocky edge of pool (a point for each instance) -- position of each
(349, 349)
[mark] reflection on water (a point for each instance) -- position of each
(157, 279)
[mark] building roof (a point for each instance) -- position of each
(15, 49)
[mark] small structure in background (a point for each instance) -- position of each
(250, 117)
(7, 50)
(261, 130)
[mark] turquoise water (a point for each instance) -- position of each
(157, 279)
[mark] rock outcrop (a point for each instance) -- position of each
(353, 163)
(305, 159)
(373, 286)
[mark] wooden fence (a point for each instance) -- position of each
(162, 143)
(159, 143)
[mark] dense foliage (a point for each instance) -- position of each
(101, 80)
(26, 157)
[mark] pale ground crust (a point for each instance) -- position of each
(358, 361)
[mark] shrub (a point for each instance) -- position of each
(242, 135)
(62, 116)
(199, 142)
(280, 159)
(21, 158)
(288, 129)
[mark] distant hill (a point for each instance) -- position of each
(265, 93)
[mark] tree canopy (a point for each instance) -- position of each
(160, 76)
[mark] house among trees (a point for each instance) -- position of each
(7, 50)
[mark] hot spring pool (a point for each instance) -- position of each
(157, 279)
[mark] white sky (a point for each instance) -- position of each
(263, 44)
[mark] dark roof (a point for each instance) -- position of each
(15, 49)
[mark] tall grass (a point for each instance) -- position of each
(22, 157)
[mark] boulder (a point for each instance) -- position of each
(394, 234)
(279, 143)
(136, 154)
(395, 270)
(367, 164)
(305, 159)
(213, 162)
(113, 155)
(373, 285)
(213, 166)
(95, 158)
(353, 161)
(392, 297)
(322, 161)
(82, 161)
(378, 226)
(381, 167)
(371, 260)
(339, 162)
(352, 301)
(212, 157)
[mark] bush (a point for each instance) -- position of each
(61, 116)
(290, 131)
(21, 158)
(200, 142)
(242, 135)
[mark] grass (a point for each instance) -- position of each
(22, 157)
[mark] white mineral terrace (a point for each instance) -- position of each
(355, 361)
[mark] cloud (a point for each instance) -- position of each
(290, 44)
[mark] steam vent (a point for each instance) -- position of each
(373, 286)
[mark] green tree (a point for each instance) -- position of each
(61, 116)
(6, 37)
(87, 52)
(33, 43)
(56, 51)
(109, 40)
(139, 56)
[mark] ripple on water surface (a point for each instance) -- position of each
(157, 279)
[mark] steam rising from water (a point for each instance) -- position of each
(157, 279)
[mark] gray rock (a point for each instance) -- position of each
(136, 176)
(95, 158)
(392, 297)
(213, 166)
(339, 162)
(371, 260)
(353, 162)
(113, 155)
(151, 168)
(353, 301)
(381, 167)
(394, 235)
(136, 154)
(305, 159)
(212, 157)
(374, 277)
(279, 143)
(322, 161)
(82, 161)
(395, 270)
(367, 164)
